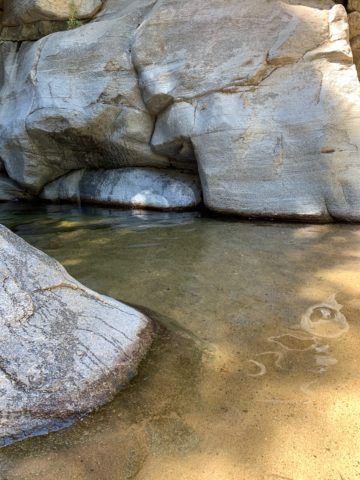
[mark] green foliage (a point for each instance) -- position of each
(74, 21)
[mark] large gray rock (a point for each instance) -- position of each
(270, 105)
(263, 95)
(64, 349)
(128, 187)
(191, 48)
(71, 100)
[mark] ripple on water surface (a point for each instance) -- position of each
(256, 375)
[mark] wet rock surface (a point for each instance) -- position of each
(64, 349)
(128, 187)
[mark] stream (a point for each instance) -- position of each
(255, 374)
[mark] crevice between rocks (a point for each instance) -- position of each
(167, 100)
(353, 11)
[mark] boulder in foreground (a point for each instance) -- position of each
(64, 349)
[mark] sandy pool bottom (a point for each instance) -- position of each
(256, 375)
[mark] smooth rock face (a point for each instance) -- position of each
(128, 187)
(191, 48)
(264, 96)
(273, 119)
(71, 100)
(64, 349)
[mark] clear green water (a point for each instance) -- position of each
(257, 375)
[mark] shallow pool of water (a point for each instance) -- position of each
(256, 376)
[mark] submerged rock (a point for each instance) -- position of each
(64, 349)
(128, 187)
